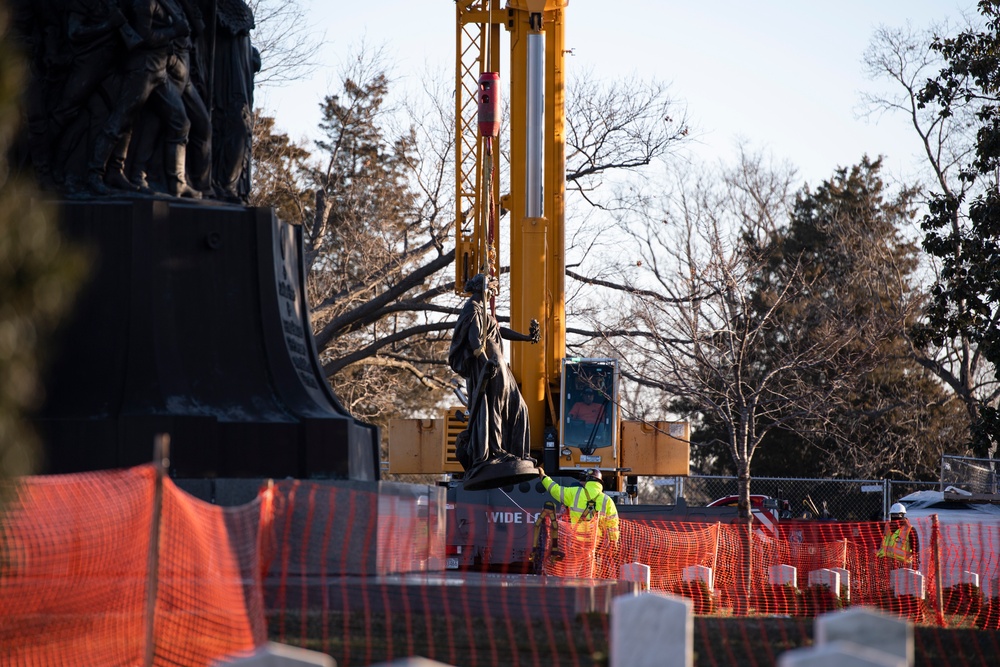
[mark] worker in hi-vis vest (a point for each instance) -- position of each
(593, 519)
(899, 543)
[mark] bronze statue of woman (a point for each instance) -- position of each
(497, 433)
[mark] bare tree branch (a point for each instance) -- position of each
(286, 41)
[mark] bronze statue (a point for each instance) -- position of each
(145, 80)
(236, 62)
(147, 154)
(96, 34)
(124, 89)
(497, 433)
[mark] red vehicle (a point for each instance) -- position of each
(757, 502)
(766, 511)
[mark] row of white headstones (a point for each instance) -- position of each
(654, 629)
(657, 630)
(902, 581)
(651, 629)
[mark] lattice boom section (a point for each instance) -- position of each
(469, 65)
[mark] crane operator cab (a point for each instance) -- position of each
(589, 413)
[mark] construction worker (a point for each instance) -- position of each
(545, 543)
(593, 519)
(899, 543)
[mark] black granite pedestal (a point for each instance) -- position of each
(193, 322)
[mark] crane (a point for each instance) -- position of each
(535, 203)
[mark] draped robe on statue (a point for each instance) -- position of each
(499, 417)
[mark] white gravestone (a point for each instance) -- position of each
(867, 627)
(280, 655)
(782, 575)
(838, 654)
(699, 573)
(652, 630)
(826, 577)
(907, 582)
(636, 572)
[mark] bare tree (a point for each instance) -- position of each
(376, 203)
(698, 322)
(615, 131)
(286, 40)
(905, 58)
(703, 320)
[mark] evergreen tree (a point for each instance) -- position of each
(281, 167)
(374, 250)
(372, 246)
(37, 273)
(894, 418)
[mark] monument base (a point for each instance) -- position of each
(502, 473)
(194, 322)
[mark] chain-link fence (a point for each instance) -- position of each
(841, 499)
(970, 474)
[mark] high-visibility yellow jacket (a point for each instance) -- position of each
(897, 544)
(576, 499)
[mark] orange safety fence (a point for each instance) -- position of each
(363, 582)
(376, 571)
(360, 574)
(75, 555)
(949, 577)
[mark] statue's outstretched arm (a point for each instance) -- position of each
(533, 336)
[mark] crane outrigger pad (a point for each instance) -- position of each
(500, 473)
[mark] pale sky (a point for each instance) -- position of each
(782, 75)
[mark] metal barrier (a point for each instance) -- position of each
(971, 474)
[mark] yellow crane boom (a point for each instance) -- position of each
(536, 201)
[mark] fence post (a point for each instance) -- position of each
(936, 555)
(886, 498)
(161, 461)
(715, 554)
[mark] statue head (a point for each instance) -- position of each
(481, 284)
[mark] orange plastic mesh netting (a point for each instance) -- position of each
(749, 569)
(348, 578)
(73, 575)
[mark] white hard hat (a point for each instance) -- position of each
(897, 508)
